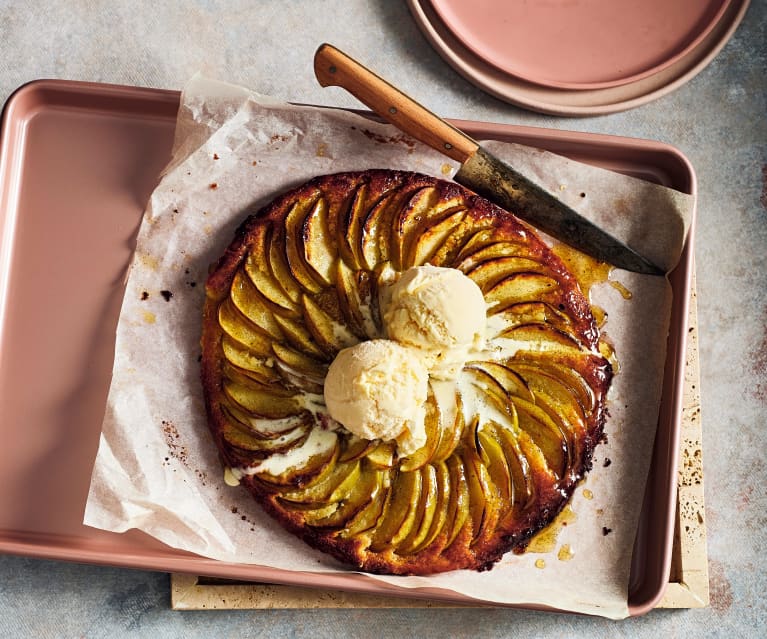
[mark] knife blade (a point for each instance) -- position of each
(480, 171)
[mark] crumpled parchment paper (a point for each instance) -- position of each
(157, 468)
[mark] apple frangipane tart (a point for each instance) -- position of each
(503, 441)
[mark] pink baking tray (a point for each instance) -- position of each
(78, 162)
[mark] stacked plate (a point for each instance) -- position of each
(578, 57)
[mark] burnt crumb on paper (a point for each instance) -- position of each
(176, 450)
(213, 186)
(215, 156)
(166, 295)
(400, 138)
(606, 531)
(607, 462)
(144, 295)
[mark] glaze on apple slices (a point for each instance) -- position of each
(506, 442)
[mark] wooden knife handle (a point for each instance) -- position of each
(334, 68)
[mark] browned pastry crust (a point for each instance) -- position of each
(307, 264)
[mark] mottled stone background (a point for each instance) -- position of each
(719, 120)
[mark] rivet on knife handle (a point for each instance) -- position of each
(334, 68)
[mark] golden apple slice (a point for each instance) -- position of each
(368, 517)
(523, 488)
(257, 268)
(497, 465)
(249, 302)
(294, 225)
(242, 330)
(489, 273)
(246, 440)
(376, 230)
(483, 501)
(349, 298)
(260, 403)
(521, 287)
(442, 500)
(332, 488)
(329, 335)
(446, 253)
(427, 244)
(245, 359)
(350, 228)
(278, 265)
(302, 364)
(509, 381)
(546, 434)
(476, 241)
(263, 428)
(399, 514)
(535, 334)
(354, 448)
(318, 247)
(307, 464)
(527, 363)
(301, 339)
(450, 434)
(361, 494)
(426, 509)
(458, 504)
(424, 454)
(407, 222)
(382, 456)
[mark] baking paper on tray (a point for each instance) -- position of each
(157, 468)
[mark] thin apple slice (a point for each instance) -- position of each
(489, 273)
(399, 515)
(546, 434)
(260, 427)
(360, 495)
(376, 230)
(442, 500)
(407, 223)
(526, 363)
(484, 499)
(299, 362)
(329, 335)
(558, 393)
(260, 403)
(301, 339)
(520, 287)
(498, 250)
(424, 516)
(318, 247)
(450, 434)
(433, 237)
(303, 465)
(244, 439)
(523, 487)
(338, 482)
(536, 334)
(424, 454)
(512, 384)
(294, 224)
(242, 330)
(458, 504)
(249, 302)
(366, 519)
(446, 253)
(481, 238)
(257, 268)
(243, 358)
(349, 298)
(382, 456)
(497, 465)
(278, 265)
(354, 448)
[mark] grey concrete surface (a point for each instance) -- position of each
(719, 120)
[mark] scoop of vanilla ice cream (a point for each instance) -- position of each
(377, 390)
(440, 311)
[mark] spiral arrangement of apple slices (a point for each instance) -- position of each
(506, 442)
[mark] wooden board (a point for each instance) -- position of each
(688, 581)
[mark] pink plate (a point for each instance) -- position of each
(580, 44)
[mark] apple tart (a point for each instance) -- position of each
(506, 439)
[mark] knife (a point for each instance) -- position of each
(480, 171)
